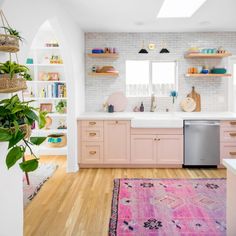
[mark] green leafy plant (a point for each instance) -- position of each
(13, 68)
(13, 115)
(13, 32)
(61, 106)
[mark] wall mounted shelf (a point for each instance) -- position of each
(205, 55)
(208, 75)
(104, 74)
(103, 55)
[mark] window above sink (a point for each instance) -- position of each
(144, 77)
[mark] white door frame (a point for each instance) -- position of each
(231, 93)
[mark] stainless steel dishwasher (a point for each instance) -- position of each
(201, 143)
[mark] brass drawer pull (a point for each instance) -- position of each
(233, 122)
(92, 134)
(92, 152)
(232, 134)
(232, 153)
(92, 123)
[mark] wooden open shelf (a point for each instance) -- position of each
(208, 75)
(103, 55)
(104, 74)
(205, 55)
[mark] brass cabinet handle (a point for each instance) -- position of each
(154, 139)
(232, 153)
(233, 122)
(92, 123)
(116, 121)
(92, 152)
(158, 139)
(92, 134)
(232, 134)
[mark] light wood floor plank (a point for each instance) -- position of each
(78, 204)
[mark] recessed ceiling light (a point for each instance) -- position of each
(179, 8)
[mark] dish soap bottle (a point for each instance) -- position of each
(141, 107)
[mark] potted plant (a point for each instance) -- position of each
(13, 32)
(16, 119)
(61, 106)
(13, 77)
(9, 41)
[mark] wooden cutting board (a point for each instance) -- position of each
(197, 98)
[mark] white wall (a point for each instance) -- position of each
(27, 20)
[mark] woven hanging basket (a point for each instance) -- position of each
(11, 85)
(25, 129)
(9, 43)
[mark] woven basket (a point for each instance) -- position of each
(8, 85)
(56, 140)
(9, 43)
(25, 129)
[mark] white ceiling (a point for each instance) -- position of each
(140, 16)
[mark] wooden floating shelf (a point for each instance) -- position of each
(208, 75)
(205, 55)
(104, 74)
(103, 55)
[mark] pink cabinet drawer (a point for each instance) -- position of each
(92, 134)
(228, 150)
(92, 123)
(228, 123)
(227, 134)
(92, 152)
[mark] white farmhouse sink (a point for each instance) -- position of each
(157, 121)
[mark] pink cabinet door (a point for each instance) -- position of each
(170, 149)
(116, 142)
(92, 152)
(143, 149)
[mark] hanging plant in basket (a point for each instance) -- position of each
(16, 119)
(13, 77)
(9, 39)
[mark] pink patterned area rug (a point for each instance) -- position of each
(170, 207)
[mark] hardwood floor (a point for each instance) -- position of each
(78, 204)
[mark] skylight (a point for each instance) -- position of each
(179, 8)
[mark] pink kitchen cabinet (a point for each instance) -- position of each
(170, 149)
(116, 142)
(143, 149)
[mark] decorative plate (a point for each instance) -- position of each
(188, 104)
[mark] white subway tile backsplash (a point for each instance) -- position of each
(213, 91)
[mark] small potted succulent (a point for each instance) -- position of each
(61, 107)
(16, 119)
(13, 77)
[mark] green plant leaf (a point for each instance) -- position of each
(15, 139)
(31, 115)
(42, 119)
(5, 135)
(30, 165)
(37, 140)
(13, 156)
(16, 126)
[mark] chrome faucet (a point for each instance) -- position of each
(153, 103)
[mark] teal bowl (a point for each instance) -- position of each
(218, 71)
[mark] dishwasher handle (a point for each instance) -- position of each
(202, 123)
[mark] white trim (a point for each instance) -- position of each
(231, 96)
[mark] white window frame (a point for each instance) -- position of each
(150, 76)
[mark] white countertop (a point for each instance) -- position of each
(162, 115)
(230, 164)
(157, 119)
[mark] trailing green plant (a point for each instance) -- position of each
(13, 114)
(13, 32)
(61, 106)
(13, 68)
